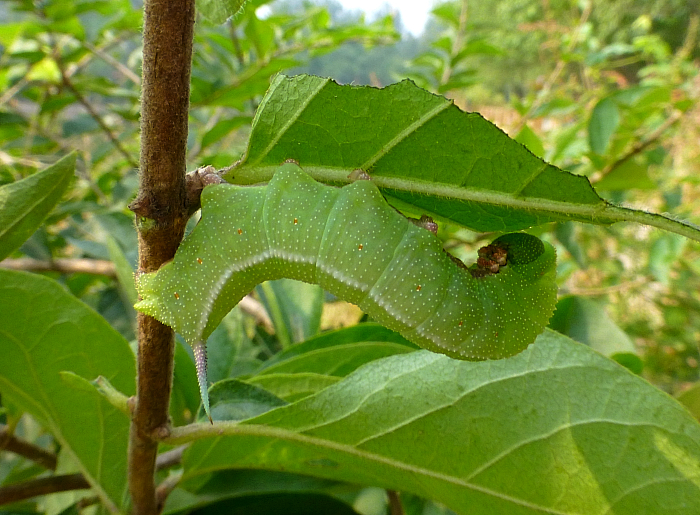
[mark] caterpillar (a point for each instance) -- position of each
(353, 244)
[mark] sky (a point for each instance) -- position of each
(414, 13)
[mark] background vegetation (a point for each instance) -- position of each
(607, 89)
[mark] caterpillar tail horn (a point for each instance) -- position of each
(200, 361)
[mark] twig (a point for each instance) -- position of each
(74, 68)
(638, 147)
(85, 502)
(248, 304)
(255, 309)
(111, 60)
(94, 114)
(11, 92)
(458, 42)
(63, 265)
(170, 458)
(42, 486)
(691, 35)
(165, 487)
(604, 290)
(236, 43)
(10, 442)
(7, 159)
(544, 92)
(395, 507)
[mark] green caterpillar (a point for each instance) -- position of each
(356, 246)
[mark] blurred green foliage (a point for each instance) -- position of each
(609, 90)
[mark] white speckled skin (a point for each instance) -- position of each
(352, 243)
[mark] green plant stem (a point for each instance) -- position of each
(113, 396)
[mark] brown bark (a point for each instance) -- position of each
(42, 486)
(63, 265)
(161, 217)
(41, 456)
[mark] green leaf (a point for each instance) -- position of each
(275, 504)
(45, 331)
(690, 398)
(218, 11)
(9, 32)
(585, 321)
(664, 254)
(222, 128)
(566, 233)
(293, 387)
(184, 401)
(81, 124)
(426, 156)
(338, 360)
(295, 309)
(237, 484)
(24, 204)
(235, 400)
(229, 350)
(369, 332)
(555, 429)
(629, 174)
(530, 140)
(259, 33)
(125, 274)
(604, 121)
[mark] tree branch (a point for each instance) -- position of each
(63, 265)
(10, 442)
(395, 507)
(167, 485)
(170, 458)
(161, 218)
(638, 147)
(95, 115)
(126, 72)
(42, 486)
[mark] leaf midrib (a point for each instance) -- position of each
(235, 429)
(601, 212)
